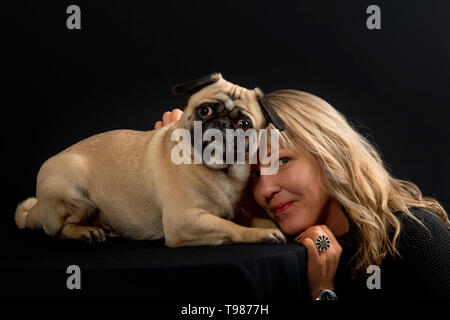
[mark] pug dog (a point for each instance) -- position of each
(124, 183)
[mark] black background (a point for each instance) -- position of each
(116, 72)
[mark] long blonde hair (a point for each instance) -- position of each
(352, 172)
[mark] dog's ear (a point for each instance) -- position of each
(269, 112)
(191, 87)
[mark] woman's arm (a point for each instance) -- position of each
(425, 255)
(322, 266)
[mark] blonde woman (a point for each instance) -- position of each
(367, 234)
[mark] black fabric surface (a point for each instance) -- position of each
(35, 267)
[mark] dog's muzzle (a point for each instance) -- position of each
(222, 124)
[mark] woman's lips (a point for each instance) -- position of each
(281, 208)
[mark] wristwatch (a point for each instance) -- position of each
(327, 295)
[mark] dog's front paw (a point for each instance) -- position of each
(274, 236)
(93, 234)
(86, 233)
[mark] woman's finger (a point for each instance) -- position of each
(312, 233)
(176, 115)
(166, 118)
(313, 253)
(315, 231)
(298, 237)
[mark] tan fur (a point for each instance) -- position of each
(123, 183)
(22, 212)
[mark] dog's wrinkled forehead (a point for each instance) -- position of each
(214, 88)
(231, 95)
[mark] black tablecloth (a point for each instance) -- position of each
(35, 266)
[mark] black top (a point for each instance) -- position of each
(421, 272)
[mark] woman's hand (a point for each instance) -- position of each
(168, 118)
(322, 266)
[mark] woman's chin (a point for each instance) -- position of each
(292, 228)
(288, 230)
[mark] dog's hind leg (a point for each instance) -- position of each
(64, 212)
(64, 207)
(69, 219)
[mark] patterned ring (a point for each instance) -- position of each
(322, 243)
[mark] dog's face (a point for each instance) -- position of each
(221, 105)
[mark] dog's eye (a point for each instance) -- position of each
(205, 110)
(243, 124)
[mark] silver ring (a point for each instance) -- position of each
(322, 243)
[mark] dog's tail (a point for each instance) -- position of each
(27, 214)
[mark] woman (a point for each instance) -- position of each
(367, 234)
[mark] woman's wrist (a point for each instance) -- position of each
(314, 294)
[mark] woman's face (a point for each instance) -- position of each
(294, 196)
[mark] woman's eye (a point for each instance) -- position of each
(243, 124)
(205, 111)
(283, 161)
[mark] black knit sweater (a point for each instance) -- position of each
(422, 271)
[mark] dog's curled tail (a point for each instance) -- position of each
(22, 214)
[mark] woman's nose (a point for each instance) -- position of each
(268, 186)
